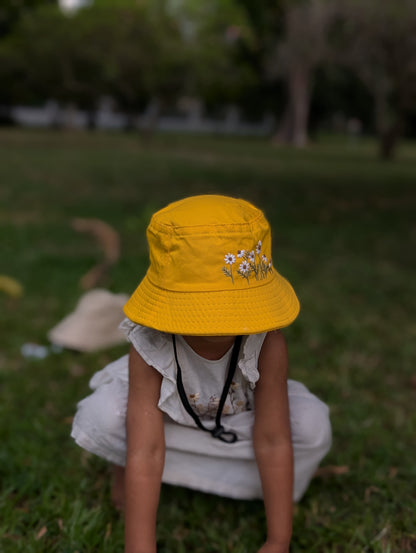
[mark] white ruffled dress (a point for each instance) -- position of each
(193, 457)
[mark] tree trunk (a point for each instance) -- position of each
(388, 140)
(6, 116)
(293, 128)
(91, 119)
(150, 120)
(130, 122)
(284, 132)
(388, 125)
(299, 88)
(69, 117)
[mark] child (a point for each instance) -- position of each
(203, 398)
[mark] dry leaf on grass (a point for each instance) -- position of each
(8, 536)
(408, 544)
(77, 370)
(85, 457)
(108, 531)
(108, 239)
(41, 533)
(11, 286)
(370, 490)
(331, 470)
(94, 276)
(106, 236)
(393, 472)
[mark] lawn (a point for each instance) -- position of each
(344, 234)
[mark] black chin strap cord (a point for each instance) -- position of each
(218, 430)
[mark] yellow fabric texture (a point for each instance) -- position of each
(211, 272)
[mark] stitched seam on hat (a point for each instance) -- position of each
(226, 226)
(231, 290)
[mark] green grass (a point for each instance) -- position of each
(344, 234)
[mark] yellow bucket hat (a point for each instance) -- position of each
(211, 272)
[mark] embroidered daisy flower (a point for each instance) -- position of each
(241, 253)
(244, 267)
(230, 259)
(264, 258)
(258, 247)
(252, 256)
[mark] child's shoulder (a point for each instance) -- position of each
(273, 352)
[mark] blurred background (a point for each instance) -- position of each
(111, 109)
(286, 69)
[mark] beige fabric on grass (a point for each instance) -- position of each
(94, 323)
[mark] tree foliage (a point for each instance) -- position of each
(142, 51)
(378, 42)
(11, 11)
(122, 51)
(216, 35)
(133, 51)
(295, 56)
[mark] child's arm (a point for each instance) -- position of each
(145, 456)
(272, 443)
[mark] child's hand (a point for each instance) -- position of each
(270, 547)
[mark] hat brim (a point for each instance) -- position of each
(215, 313)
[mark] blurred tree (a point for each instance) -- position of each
(42, 52)
(339, 97)
(10, 75)
(139, 53)
(266, 18)
(124, 52)
(294, 57)
(11, 12)
(216, 36)
(291, 40)
(378, 41)
(31, 69)
(145, 60)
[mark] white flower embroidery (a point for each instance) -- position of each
(244, 267)
(250, 267)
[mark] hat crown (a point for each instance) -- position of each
(210, 271)
(209, 243)
(205, 210)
